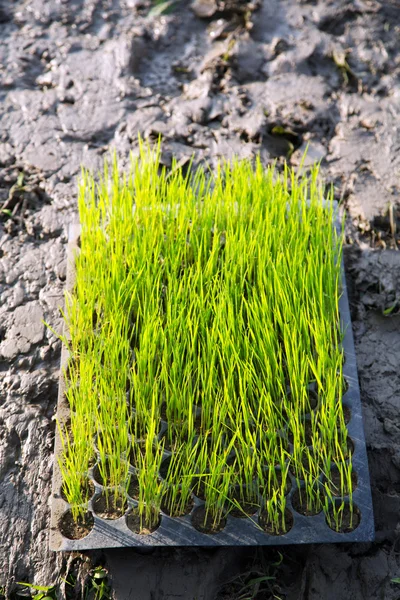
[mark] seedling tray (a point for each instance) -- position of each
(179, 531)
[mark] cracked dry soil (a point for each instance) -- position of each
(80, 77)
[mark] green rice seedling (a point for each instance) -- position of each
(179, 480)
(208, 450)
(274, 518)
(216, 476)
(73, 464)
(348, 480)
(340, 478)
(245, 484)
(305, 460)
(177, 387)
(209, 301)
(151, 487)
(273, 479)
(312, 495)
(218, 486)
(336, 515)
(150, 496)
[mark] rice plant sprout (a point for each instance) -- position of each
(209, 301)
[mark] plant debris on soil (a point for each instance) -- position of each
(82, 77)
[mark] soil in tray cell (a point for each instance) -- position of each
(346, 414)
(98, 477)
(174, 511)
(300, 504)
(107, 506)
(275, 483)
(347, 520)
(133, 488)
(205, 523)
(313, 400)
(307, 433)
(137, 450)
(75, 530)
(200, 487)
(347, 450)
(277, 528)
(175, 477)
(306, 462)
(138, 525)
(334, 483)
(242, 507)
(164, 467)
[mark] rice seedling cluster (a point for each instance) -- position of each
(205, 371)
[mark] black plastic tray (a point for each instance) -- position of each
(179, 531)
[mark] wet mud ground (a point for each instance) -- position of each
(81, 77)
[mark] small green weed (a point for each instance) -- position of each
(163, 7)
(40, 592)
